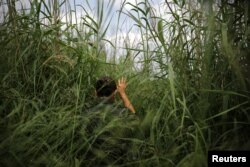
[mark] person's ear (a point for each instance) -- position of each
(112, 96)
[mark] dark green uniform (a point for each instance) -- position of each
(109, 123)
(104, 105)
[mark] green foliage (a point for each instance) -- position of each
(197, 100)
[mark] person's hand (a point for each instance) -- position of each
(122, 84)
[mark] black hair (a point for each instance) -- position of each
(105, 86)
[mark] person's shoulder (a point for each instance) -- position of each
(99, 104)
(103, 105)
(119, 110)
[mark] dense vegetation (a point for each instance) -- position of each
(191, 92)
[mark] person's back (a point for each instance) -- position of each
(105, 90)
(103, 105)
(109, 121)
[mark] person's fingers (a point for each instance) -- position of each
(122, 81)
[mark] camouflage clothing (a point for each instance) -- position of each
(104, 105)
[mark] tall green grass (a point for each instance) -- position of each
(197, 100)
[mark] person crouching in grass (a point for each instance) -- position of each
(106, 88)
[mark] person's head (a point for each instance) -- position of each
(105, 87)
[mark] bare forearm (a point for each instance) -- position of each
(126, 102)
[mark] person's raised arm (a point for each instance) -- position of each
(121, 86)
